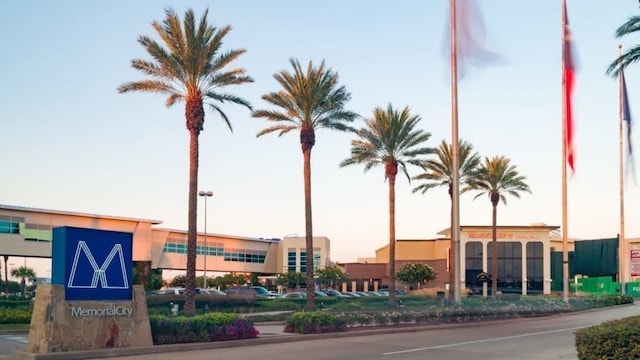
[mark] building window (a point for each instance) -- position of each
(316, 260)
(179, 246)
(509, 265)
(291, 260)
(535, 262)
(303, 261)
(473, 264)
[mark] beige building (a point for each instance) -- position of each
(27, 232)
(524, 258)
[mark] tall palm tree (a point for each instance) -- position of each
(439, 172)
(632, 55)
(190, 67)
(390, 138)
(23, 273)
(309, 100)
(497, 178)
(6, 273)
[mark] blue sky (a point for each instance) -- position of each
(71, 142)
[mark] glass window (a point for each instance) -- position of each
(303, 261)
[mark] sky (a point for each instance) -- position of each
(71, 142)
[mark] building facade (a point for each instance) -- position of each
(27, 232)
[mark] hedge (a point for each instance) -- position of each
(200, 328)
(612, 340)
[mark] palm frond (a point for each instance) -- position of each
(282, 128)
(310, 98)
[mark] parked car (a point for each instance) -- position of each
(212, 292)
(263, 293)
(320, 294)
(171, 291)
(295, 295)
(241, 291)
(350, 294)
(334, 293)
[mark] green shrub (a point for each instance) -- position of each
(15, 303)
(613, 340)
(15, 316)
(200, 328)
(314, 322)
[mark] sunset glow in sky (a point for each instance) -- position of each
(70, 142)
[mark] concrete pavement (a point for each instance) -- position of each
(270, 333)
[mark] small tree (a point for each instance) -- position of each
(416, 274)
(178, 281)
(23, 273)
(331, 276)
(291, 279)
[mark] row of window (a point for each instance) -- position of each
(292, 260)
(200, 241)
(235, 255)
(509, 262)
(31, 232)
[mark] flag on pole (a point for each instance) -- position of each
(569, 72)
(471, 48)
(626, 117)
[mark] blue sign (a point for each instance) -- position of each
(92, 264)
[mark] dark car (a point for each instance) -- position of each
(334, 293)
(241, 291)
(263, 293)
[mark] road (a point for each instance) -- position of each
(524, 339)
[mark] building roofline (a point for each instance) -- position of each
(74, 213)
(259, 239)
(489, 227)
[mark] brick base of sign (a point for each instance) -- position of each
(58, 325)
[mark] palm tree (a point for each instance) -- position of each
(633, 54)
(439, 172)
(497, 177)
(192, 69)
(6, 273)
(23, 273)
(390, 138)
(309, 100)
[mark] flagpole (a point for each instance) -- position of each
(455, 198)
(622, 246)
(565, 242)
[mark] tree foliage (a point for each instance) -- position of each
(291, 279)
(310, 99)
(331, 276)
(392, 139)
(415, 275)
(189, 66)
(23, 273)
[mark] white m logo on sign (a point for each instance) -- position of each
(99, 272)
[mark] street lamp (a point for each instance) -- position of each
(206, 194)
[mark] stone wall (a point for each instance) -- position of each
(58, 325)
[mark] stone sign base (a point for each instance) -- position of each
(58, 325)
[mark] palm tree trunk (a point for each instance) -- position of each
(306, 153)
(452, 255)
(392, 241)
(494, 256)
(6, 274)
(190, 291)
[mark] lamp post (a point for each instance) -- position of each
(206, 194)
